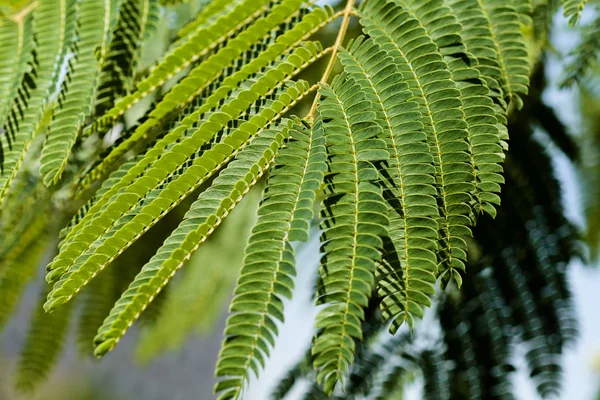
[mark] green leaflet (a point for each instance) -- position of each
(573, 10)
(77, 94)
(201, 76)
(409, 269)
(54, 23)
(354, 221)
(43, 345)
(268, 270)
(76, 275)
(203, 286)
(484, 140)
(204, 216)
(137, 19)
(429, 79)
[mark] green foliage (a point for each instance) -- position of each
(95, 20)
(269, 263)
(54, 24)
(354, 217)
(585, 55)
(137, 20)
(43, 345)
(399, 160)
(573, 9)
(407, 275)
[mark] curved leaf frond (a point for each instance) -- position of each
(204, 285)
(409, 269)
(77, 93)
(215, 65)
(492, 32)
(54, 24)
(268, 271)
(43, 345)
(17, 42)
(443, 119)
(80, 265)
(354, 221)
(137, 19)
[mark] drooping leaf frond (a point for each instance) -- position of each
(492, 33)
(77, 93)
(210, 69)
(43, 345)
(443, 119)
(481, 114)
(16, 36)
(197, 46)
(137, 20)
(409, 189)
(54, 23)
(354, 221)
(81, 265)
(268, 271)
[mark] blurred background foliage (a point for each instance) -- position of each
(517, 300)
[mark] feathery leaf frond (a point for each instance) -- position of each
(268, 271)
(408, 184)
(211, 68)
(204, 284)
(16, 36)
(79, 262)
(54, 24)
(354, 221)
(95, 20)
(43, 345)
(492, 32)
(443, 119)
(137, 19)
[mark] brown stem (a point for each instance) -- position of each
(347, 13)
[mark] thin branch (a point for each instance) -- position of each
(24, 12)
(347, 13)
